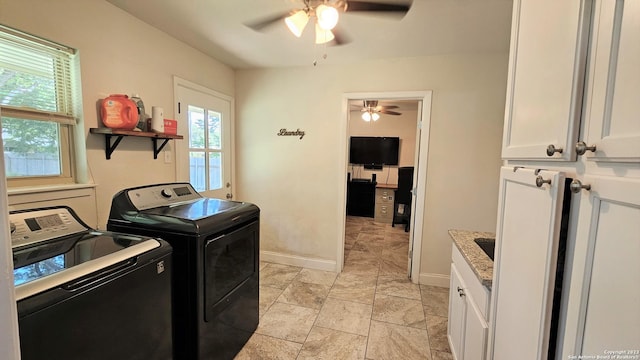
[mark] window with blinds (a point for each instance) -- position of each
(38, 105)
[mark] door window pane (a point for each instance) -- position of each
(215, 130)
(197, 170)
(196, 128)
(215, 171)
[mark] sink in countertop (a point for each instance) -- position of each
(487, 245)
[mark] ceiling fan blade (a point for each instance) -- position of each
(260, 24)
(340, 37)
(389, 112)
(378, 7)
(387, 107)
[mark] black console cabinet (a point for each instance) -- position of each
(361, 198)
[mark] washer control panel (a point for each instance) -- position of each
(39, 225)
(162, 195)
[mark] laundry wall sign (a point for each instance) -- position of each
(297, 132)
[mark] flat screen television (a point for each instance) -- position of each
(369, 150)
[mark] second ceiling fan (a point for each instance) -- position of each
(371, 110)
(326, 14)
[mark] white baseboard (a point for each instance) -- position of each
(295, 260)
(434, 279)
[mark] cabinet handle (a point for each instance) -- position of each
(582, 148)
(540, 181)
(576, 186)
(460, 292)
(552, 150)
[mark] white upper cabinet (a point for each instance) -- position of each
(614, 121)
(547, 67)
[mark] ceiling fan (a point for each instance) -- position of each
(371, 110)
(326, 14)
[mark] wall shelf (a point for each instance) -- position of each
(109, 147)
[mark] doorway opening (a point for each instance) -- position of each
(384, 181)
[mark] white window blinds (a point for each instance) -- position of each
(36, 78)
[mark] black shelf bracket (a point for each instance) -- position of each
(156, 149)
(110, 148)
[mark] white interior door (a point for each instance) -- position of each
(527, 233)
(204, 158)
(414, 198)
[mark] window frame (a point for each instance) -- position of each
(65, 71)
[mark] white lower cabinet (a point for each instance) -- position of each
(467, 327)
(457, 315)
(603, 309)
(476, 331)
(527, 245)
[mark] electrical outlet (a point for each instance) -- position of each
(167, 157)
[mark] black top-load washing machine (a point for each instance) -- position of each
(216, 261)
(87, 294)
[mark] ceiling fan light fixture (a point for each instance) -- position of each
(297, 22)
(323, 36)
(327, 16)
(370, 115)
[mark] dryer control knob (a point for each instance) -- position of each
(166, 193)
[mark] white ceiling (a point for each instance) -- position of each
(431, 27)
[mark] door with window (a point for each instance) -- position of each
(205, 157)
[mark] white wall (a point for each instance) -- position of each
(119, 54)
(296, 182)
(403, 126)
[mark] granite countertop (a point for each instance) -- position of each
(479, 262)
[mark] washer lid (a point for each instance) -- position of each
(87, 252)
(196, 210)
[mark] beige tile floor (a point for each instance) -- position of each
(370, 311)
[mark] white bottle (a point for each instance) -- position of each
(142, 116)
(157, 119)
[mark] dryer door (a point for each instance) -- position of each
(229, 261)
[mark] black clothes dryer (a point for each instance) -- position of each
(88, 294)
(216, 261)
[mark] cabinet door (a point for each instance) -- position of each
(457, 314)
(527, 234)
(546, 78)
(614, 121)
(603, 311)
(475, 337)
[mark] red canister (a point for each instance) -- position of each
(119, 112)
